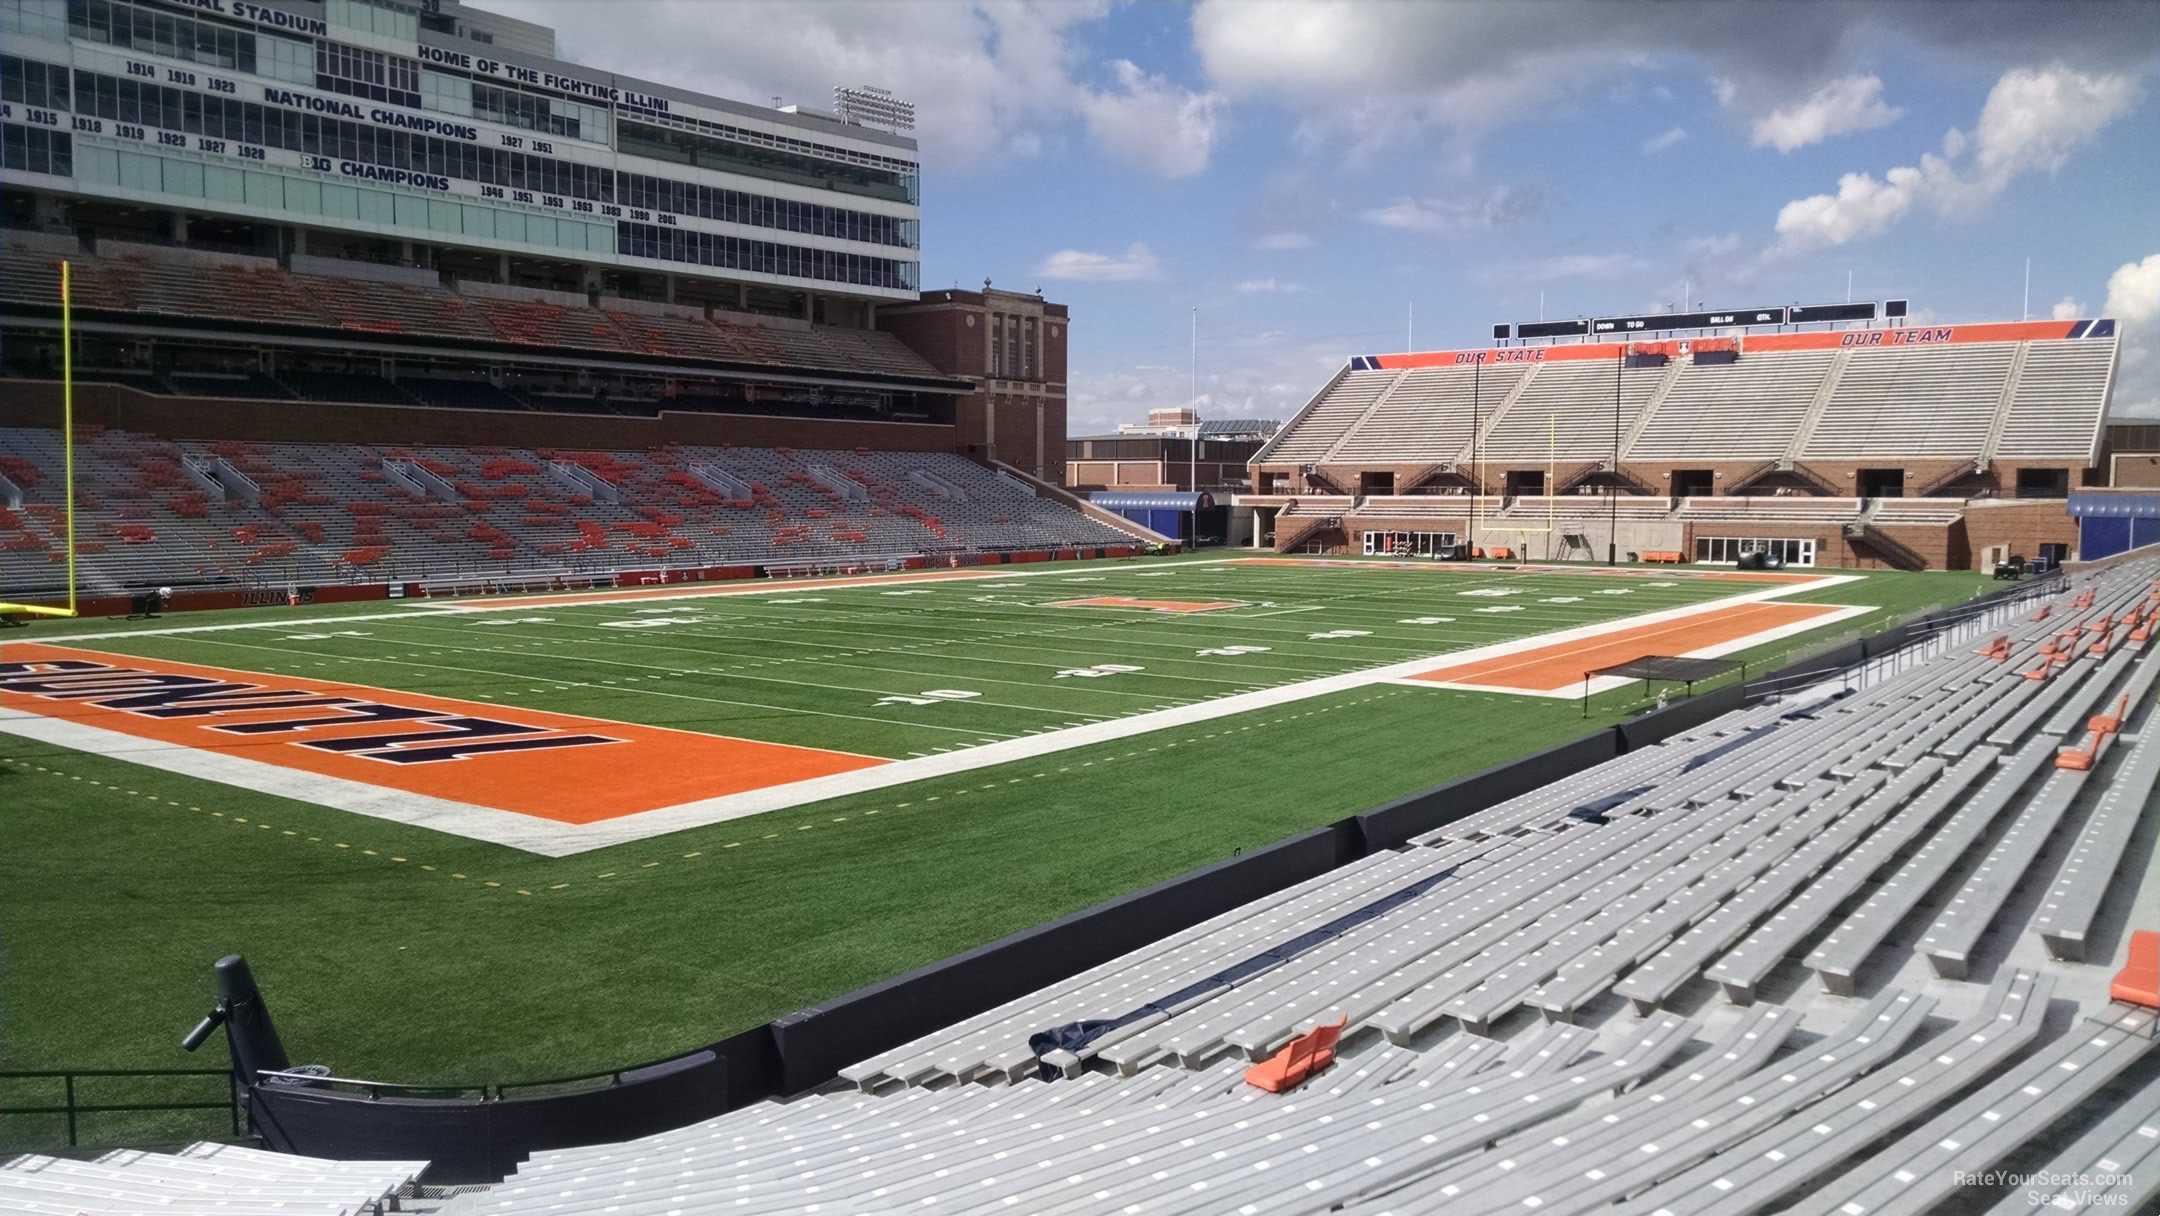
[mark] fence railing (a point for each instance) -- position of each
(77, 1096)
(1920, 640)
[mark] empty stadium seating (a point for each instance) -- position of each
(297, 513)
(2038, 399)
(1430, 410)
(1566, 411)
(203, 1177)
(255, 291)
(2059, 401)
(1914, 401)
(1564, 1002)
(1747, 410)
(1323, 423)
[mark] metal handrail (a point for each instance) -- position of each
(73, 1109)
(488, 1091)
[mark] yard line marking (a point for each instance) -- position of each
(560, 684)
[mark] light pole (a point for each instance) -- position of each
(1612, 488)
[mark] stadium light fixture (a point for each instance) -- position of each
(870, 106)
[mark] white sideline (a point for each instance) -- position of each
(551, 839)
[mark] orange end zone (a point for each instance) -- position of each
(1127, 601)
(554, 766)
(1560, 665)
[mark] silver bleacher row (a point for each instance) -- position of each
(1785, 838)
(205, 1179)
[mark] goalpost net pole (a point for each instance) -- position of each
(67, 450)
(67, 421)
(1552, 471)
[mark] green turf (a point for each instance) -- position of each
(822, 666)
(400, 953)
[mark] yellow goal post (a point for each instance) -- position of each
(1552, 471)
(67, 450)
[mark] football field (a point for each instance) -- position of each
(682, 811)
(704, 704)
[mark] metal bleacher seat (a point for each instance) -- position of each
(1948, 943)
(1840, 953)
(1719, 855)
(2113, 1167)
(1819, 1139)
(1743, 967)
(1318, 427)
(2073, 900)
(1588, 1167)
(201, 1180)
(1921, 1168)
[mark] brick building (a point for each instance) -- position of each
(1011, 346)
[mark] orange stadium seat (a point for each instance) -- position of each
(2139, 981)
(1296, 1063)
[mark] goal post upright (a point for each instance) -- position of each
(67, 421)
(67, 454)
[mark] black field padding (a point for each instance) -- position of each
(473, 1140)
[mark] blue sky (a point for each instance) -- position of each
(1307, 174)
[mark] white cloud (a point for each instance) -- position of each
(1150, 122)
(1495, 208)
(1278, 241)
(2133, 299)
(2069, 308)
(979, 73)
(988, 77)
(1078, 266)
(1658, 143)
(2133, 296)
(2032, 120)
(1362, 74)
(1853, 103)
(1269, 287)
(1862, 205)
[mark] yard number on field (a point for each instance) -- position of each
(1339, 633)
(322, 637)
(653, 622)
(1097, 671)
(1230, 651)
(932, 697)
(1426, 620)
(518, 620)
